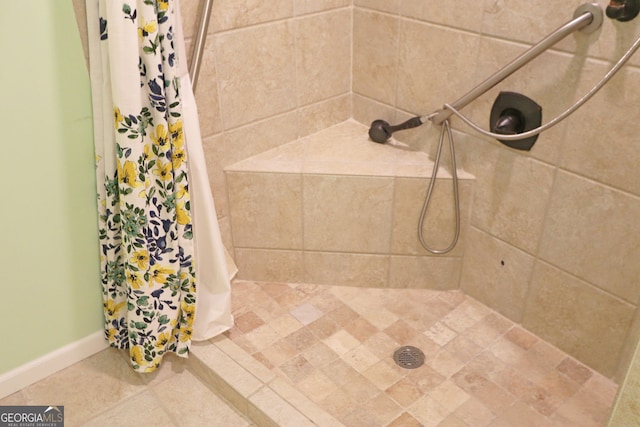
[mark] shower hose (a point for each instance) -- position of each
(446, 131)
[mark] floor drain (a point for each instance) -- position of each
(408, 357)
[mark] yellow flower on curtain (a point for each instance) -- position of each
(160, 137)
(137, 354)
(177, 133)
(146, 152)
(127, 174)
(163, 170)
(163, 339)
(118, 117)
(111, 333)
(177, 157)
(188, 312)
(182, 192)
(159, 274)
(111, 308)
(146, 28)
(182, 216)
(140, 259)
(134, 280)
(163, 4)
(185, 333)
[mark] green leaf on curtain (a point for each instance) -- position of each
(126, 9)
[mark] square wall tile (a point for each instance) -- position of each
(496, 274)
(323, 56)
(270, 265)
(391, 6)
(591, 231)
(266, 210)
(587, 323)
(375, 57)
(463, 14)
(602, 137)
(258, 137)
(256, 72)
(424, 272)
(429, 74)
(347, 213)
(209, 114)
(302, 7)
(321, 115)
(512, 195)
(366, 110)
(346, 269)
(525, 20)
(230, 14)
(213, 148)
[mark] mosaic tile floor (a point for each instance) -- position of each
(335, 345)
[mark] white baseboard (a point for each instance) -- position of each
(50, 363)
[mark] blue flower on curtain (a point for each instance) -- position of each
(145, 225)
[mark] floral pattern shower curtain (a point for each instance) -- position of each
(145, 224)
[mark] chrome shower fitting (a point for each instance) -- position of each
(623, 10)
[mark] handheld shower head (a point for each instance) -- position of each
(380, 131)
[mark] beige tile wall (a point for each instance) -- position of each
(563, 218)
(554, 233)
(272, 72)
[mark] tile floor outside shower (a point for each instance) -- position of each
(103, 390)
(327, 351)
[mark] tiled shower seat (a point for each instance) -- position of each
(337, 208)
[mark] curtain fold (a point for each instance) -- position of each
(146, 227)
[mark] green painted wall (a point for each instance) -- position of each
(49, 280)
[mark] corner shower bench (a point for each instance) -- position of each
(337, 208)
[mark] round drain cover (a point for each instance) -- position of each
(409, 357)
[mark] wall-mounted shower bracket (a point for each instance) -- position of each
(596, 11)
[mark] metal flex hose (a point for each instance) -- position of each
(446, 129)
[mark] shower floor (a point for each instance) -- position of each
(332, 347)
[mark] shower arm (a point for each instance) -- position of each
(198, 48)
(587, 18)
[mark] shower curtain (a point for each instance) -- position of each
(164, 273)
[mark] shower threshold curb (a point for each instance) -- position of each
(255, 391)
